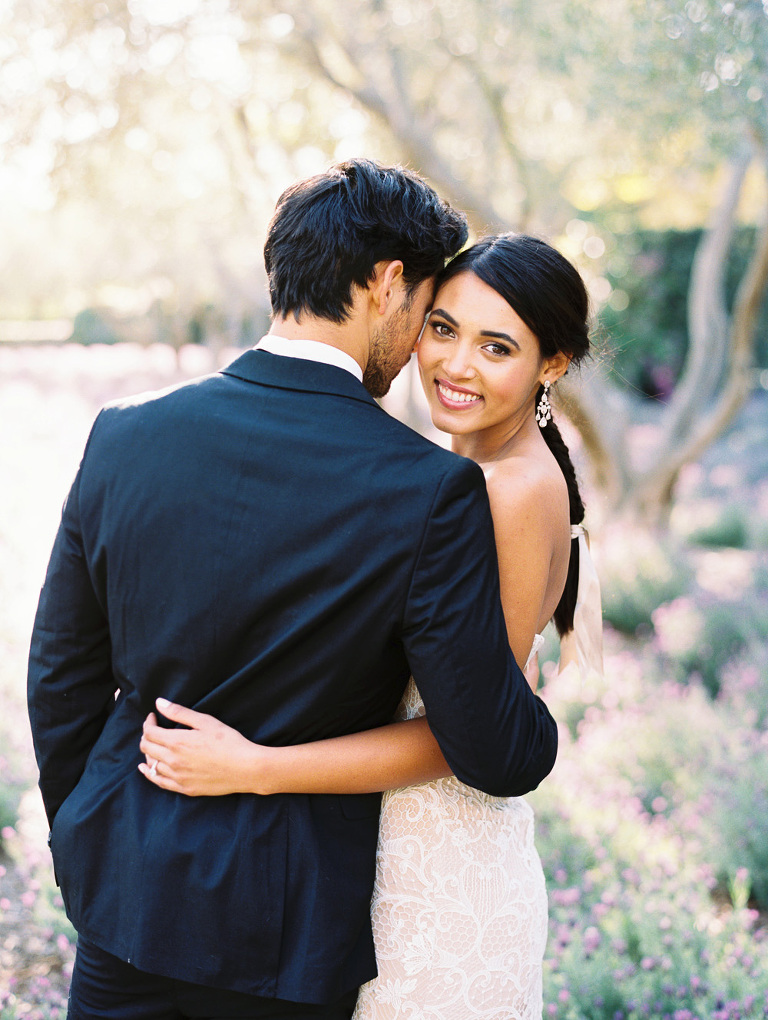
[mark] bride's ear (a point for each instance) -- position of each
(554, 368)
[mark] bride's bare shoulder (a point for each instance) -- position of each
(523, 484)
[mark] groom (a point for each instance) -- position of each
(267, 545)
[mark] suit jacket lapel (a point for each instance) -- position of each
(267, 369)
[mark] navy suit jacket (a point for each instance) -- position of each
(267, 545)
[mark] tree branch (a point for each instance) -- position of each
(405, 123)
(494, 102)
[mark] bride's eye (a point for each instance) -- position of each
(442, 328)
(498, 349)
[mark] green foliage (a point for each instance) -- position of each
(48, 910)
(744, 685)
(10, 795)
(697, 636)
(637, 576)
(13, 1012)
(635, 932)
(15, 771)
(649, 338)
(739, 798)
(729, 529)
(93, 326)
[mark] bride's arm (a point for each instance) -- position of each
(211, 759)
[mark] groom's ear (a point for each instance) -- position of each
(388, 277)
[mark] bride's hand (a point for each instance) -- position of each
(209, 759)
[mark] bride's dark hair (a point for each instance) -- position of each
(549, 295)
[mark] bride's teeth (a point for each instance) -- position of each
(460, 398)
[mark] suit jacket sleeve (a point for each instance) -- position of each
(70, 687)
(494, 732)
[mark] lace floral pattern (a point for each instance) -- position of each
(459, 908)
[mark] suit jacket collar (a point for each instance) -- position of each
(297, 374)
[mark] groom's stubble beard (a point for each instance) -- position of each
(391, 348)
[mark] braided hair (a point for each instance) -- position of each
(548, 294)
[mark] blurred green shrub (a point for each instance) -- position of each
(730, 528)
(739, 798)
(625, 832)
(95, 326)
(697, 635)
(638, 573)
(649, 336)
(744, 686)
(11, 791)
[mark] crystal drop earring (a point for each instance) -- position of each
(544, 410)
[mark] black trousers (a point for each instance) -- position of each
(105, 987)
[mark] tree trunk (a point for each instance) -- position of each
(708, 324)
(717, 379)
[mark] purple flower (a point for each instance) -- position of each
(591, 939)
(566, 897)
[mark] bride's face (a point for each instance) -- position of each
(480, 364)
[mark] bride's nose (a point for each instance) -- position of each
(457, 362)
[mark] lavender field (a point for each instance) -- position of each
(653, 828)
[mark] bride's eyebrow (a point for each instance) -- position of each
(442, 312)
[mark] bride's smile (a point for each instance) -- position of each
(455, 397)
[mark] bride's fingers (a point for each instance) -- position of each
(168, 781)
(162, 735)
(185, 716)
(154, 752)
(158, 779)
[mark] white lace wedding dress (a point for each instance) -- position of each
(459, 908)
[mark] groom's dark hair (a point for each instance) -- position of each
(328, 233)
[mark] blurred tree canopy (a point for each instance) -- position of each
(153, 137)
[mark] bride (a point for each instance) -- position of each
(459, 908)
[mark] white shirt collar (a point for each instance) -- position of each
(310, 350)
